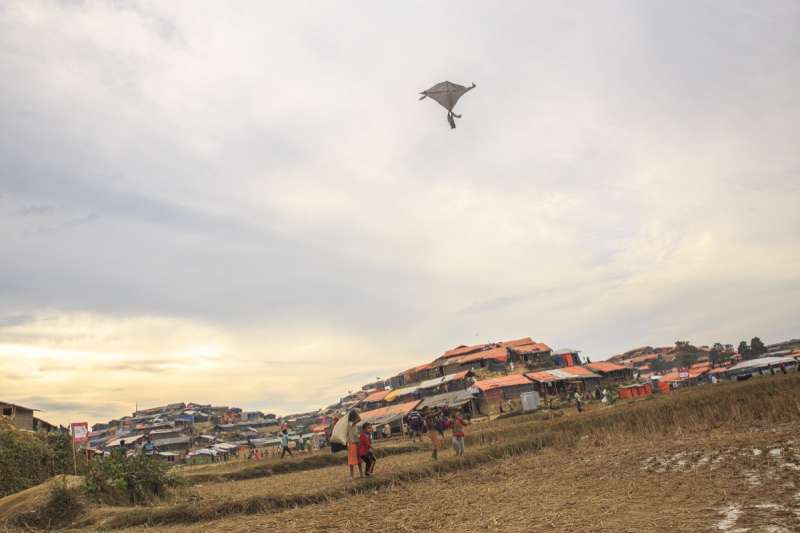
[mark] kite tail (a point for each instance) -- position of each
(451, 121)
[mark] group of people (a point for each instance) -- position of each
(360, 454)
(434, 424)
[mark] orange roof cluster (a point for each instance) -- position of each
(693, 373)
(502, 381)
(523, 344)
(643, 358)
(603, 366)
(498, 354)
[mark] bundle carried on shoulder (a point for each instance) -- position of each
(339, 435)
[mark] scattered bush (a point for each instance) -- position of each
(25, 459)
(62, 507)
(134, 480)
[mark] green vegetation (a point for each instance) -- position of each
(27, 459)
(133, 480)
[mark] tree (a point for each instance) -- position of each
(744, 350)
(757, 347)
(687, 359)
(720, 353)
(659, 365)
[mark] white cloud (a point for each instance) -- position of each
(187, 176)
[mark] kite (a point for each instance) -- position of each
(447, 94)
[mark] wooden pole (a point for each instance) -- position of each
(74, 455)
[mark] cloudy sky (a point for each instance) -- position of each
(248, 205)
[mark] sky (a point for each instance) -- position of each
(246, 204)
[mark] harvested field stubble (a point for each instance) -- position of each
(735, 406)
(274, 467)
(589, 488)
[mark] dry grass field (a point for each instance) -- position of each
(713, 458)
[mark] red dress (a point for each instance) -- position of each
(364, 444)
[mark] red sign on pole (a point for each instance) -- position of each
(80, 432)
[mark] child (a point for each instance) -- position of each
(353, 440)
(285, 443)
(365, 448)
(458, 424)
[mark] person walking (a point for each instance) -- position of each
(352, 444)
(579, 400)
(365, 449)
(457, 426)
(285, 443)
(429, 422)
(415, 425)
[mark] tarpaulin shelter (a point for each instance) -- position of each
(448, 400)
(392, 414)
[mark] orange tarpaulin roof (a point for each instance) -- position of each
(377, 396)
(579, 371)
(603, 366)
(498, 354)
(502, 381)
(541, 376)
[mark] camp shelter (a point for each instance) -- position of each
(391, 414)
(566, 357)
(21, 417)
(128, 441)
(449, 400)
(374, 400)
(610, 372)
(404, 394)
(762, 366)
(495, 391)
(173, 444)
(563, 381)
(634, 391)
(685, 377)
(450, 382)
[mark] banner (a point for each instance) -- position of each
(80, 432)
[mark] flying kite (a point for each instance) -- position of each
(447, 94)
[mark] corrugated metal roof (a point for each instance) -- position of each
(129, 439)
(174, 440)
(762, 362)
